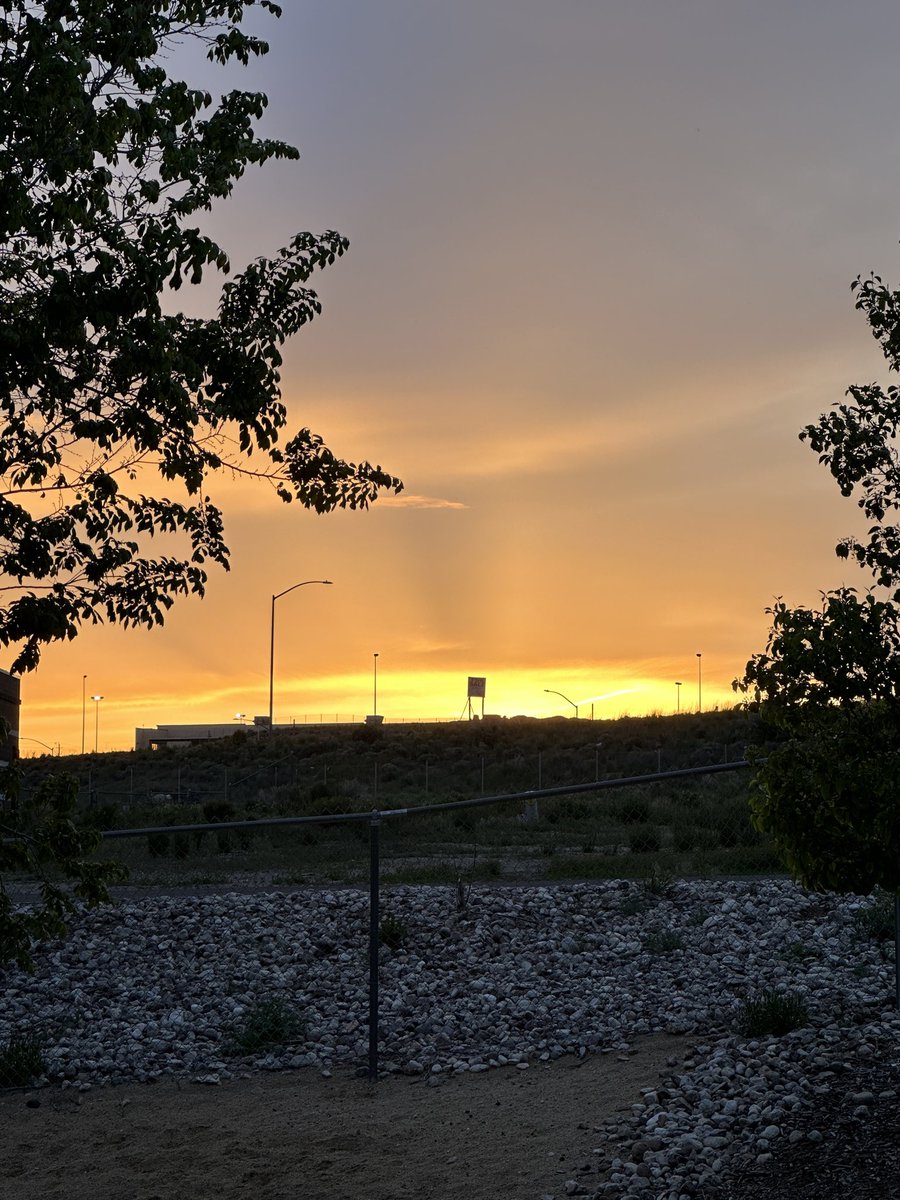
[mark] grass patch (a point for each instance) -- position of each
(269, 1025)
(392, 933)
(21, 1060)
(800, 952)
(772, 1013)
(664, 941)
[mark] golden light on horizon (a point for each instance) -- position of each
(584, 314)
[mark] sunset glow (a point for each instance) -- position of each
(598, 281)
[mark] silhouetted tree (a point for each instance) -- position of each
(110, 396)
(118, 410)
(829, 680)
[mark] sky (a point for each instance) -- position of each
(598, 280)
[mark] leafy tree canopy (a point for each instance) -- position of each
(829, 681)
(116, 409)
(45, 838)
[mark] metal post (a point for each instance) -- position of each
(374, 922)
(897, 949)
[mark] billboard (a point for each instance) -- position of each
(477, 685)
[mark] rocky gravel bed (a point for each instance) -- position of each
(172, 985)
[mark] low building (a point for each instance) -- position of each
(10, 703)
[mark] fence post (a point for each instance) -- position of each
(374, 921)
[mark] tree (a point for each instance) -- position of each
(109, 395)
(118, 411)
(45, 839)
(829, 681)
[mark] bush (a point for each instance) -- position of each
(644, 839)
(392, 933)
(663, 941)
(21, 1060)
(157, 844)
(269, 1025)
(772, 1013)
(876, 923)
(634, 810)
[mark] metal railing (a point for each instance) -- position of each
(376, 817)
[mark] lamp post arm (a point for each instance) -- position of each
(553, 692)
(277, 596)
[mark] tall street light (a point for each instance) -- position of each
(83, 709)
(699, 682)
(678, 695)
(96, 700)
(375, 684)
(566, 698)
(278, 596)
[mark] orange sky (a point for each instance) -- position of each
(598, 280)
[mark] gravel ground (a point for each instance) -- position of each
(163, 986)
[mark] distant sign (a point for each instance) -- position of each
(477, 685)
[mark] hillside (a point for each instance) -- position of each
(696, 826)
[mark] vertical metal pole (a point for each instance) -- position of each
(272, 662)
(897, 949)
(374, 921)
(482, 774)
(83, 709)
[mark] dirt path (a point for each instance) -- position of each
(505, 1134)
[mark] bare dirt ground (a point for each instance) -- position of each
(504, 1134)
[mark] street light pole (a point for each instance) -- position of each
(96, 700)
(678, 695)
(566, 698)
(278, 596)
(699, 682)
(83, 708)
(375, 684)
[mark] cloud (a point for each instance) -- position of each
(404, 501)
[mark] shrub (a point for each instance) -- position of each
(644, 839)
(772, 1013)
(392, 932)
(634, 810)
(270, 1024)
(663, 941)
(21, 1060)
(693, 838)
(157, 844)
(658, 883)
(876, 923)
(800, 952)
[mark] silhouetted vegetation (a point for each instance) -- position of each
(699, 825)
